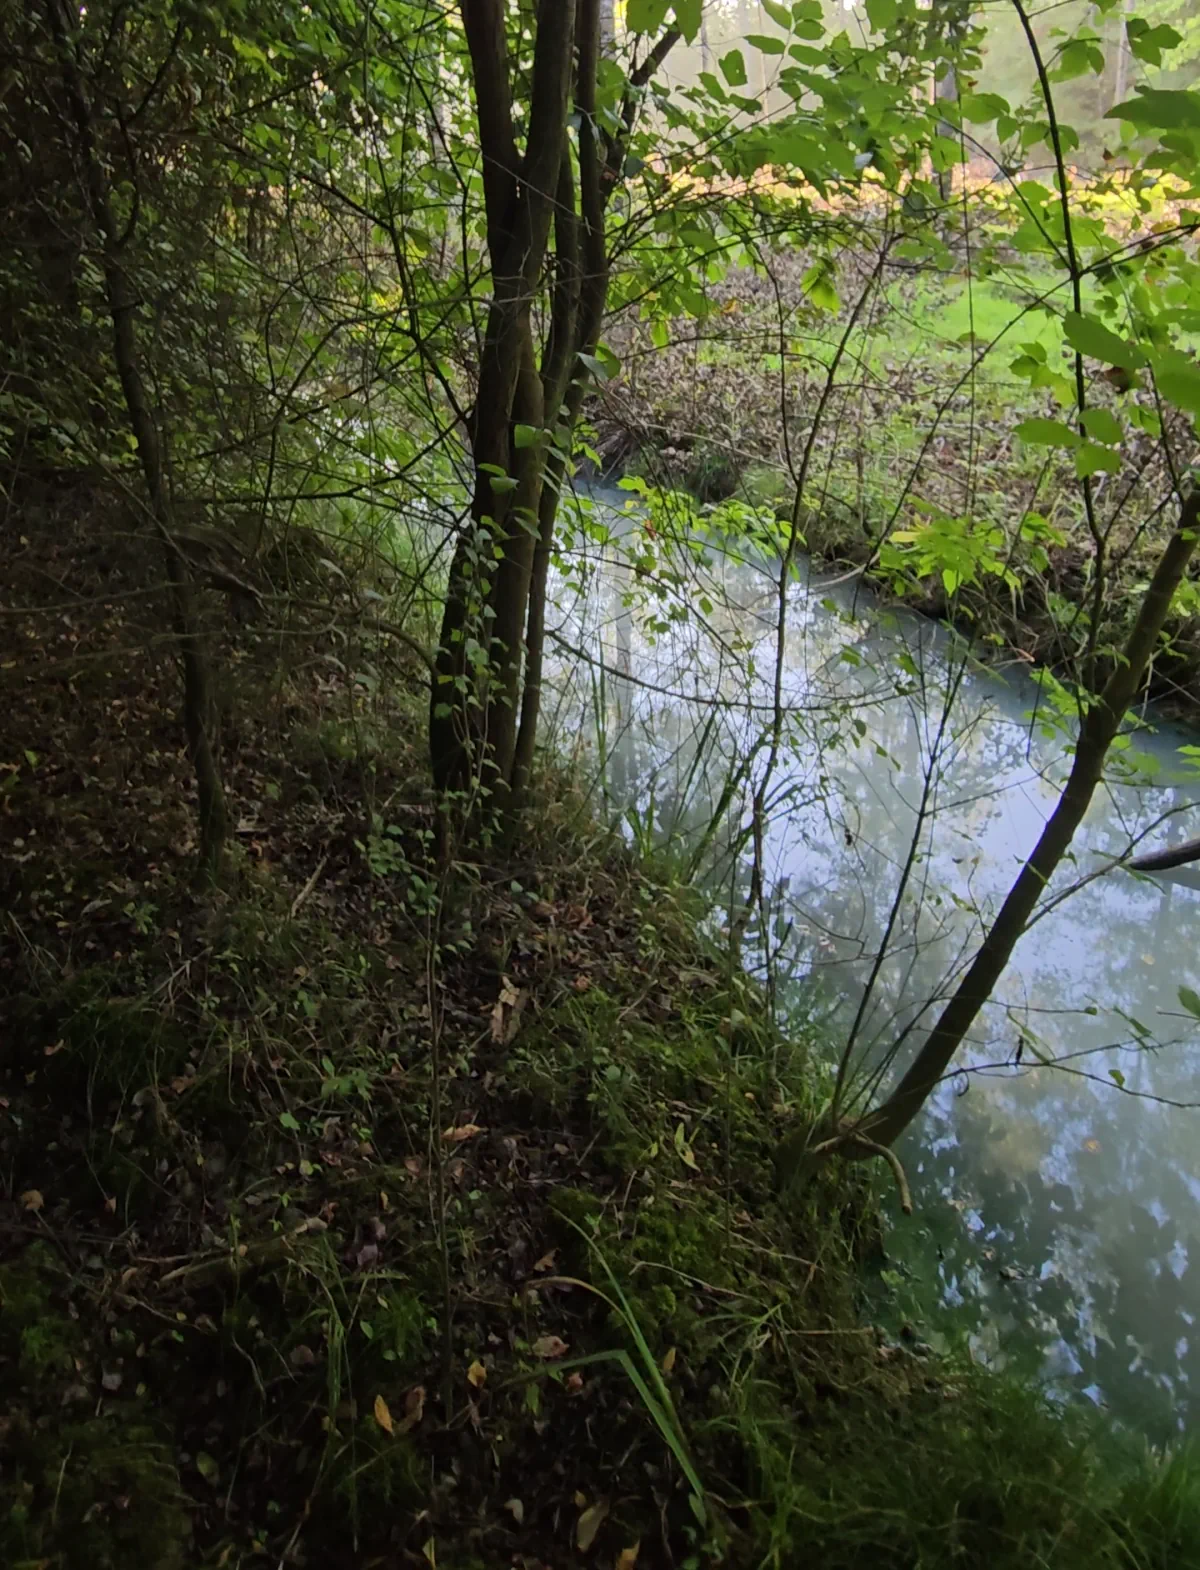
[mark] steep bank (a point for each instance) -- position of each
(257, 1141)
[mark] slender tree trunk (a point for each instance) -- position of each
(1099, 726)
(473, 714)
(122, 306)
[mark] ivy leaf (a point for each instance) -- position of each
(733, 68)
(1047, 433)
(1095, 340)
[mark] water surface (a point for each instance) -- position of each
(1057, 1219)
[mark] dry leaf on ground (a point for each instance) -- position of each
(549, 1346)
(589, 1523)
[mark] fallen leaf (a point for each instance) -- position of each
(574, 1382)
(547, 1260)
(414, 1409)
(455, 1136)
(627, 1558)
(32, 1200)
(383, 1417)
(302, 1357)
(549, 1346)
(589, 1524)
(668, 1362)
(582, 983)
(113, 1381)
(518, 1510)
(477, 1375)
(412, 1165)
(506, 1013)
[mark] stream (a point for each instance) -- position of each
(1057, 1207)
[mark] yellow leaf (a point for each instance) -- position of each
(627, 1558)
(518, 1510)
(589, 1523)
(477, 1374)
(455, 1136)
(382, 1416)
(430, 1552)
(668, 1362)
(32, 1200)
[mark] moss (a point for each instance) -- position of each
(102, 1494)
(41, 1338)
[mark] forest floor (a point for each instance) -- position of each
(359, 1215)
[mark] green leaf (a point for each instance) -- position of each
(1102, 425)
(1159, 110)
(1178, 379)
(981, 108)
(286, 1120)
(881, 14)
(1190, 1000)
(502, 484)
(733, 68)
(818, 285)
(1092, 338)
(646, 16)
(1091, 459)
(687, 17)
(1148, 43)
(766, 43)
(1048, 433)
(1117, 1078)
(779, 14)
(525, 436)
(599, 370)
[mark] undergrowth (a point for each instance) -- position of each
(361, 1213)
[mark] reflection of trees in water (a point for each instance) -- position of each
(1081, 1193)
(1083, 1250)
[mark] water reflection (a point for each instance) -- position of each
(1058, 1208)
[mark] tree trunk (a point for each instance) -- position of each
(525, 412)
(474, 701)
(122, 306)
